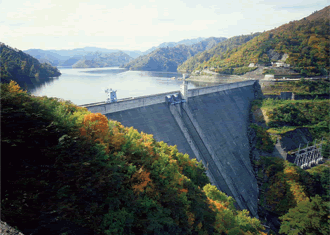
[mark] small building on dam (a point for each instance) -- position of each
(208, 123)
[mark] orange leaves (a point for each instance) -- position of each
(142, 179)
(216, 205)
(95, 127)
(183, 190)
(117, 139)
(95, 124)
(191, 218)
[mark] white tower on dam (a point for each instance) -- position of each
(112, 96)
(184, 88)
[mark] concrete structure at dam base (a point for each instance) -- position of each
(208, 123)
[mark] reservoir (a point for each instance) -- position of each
(83, 86)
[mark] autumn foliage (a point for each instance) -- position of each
(306, 42)
(81, 167)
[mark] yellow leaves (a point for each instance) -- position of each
(298, 192)
(13, 87)
(292, 179)
(291, 173)
(313, 39)
(149, 147)
(172, 161)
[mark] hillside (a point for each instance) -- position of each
(70, 57)
(193, 62)
(169, 58)
(77, 172)
(303, 44)
(291, 198)
(23, 68)
(186, 42)
(99, 60)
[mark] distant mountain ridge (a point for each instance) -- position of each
(169, 58)
(186, 42)
(99, 60)
(70, 57)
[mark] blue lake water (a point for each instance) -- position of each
(83, 86)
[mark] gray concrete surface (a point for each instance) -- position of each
(222, 118)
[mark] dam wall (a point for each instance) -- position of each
(211, 126)
(222, 118)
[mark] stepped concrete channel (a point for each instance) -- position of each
(211, 126)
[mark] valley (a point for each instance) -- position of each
(209, 135)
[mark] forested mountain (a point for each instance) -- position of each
(193, 62)
(76, 172)
(70, 57)
(303, 44)
(21, 67)
(168, 59)
(99, 60)
(47, 56)
(187, 42)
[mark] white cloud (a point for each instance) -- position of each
(146, 23)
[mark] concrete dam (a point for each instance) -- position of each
(208, 123)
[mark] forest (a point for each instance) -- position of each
(299, 198)
(306, 42)
(100, 60)
(193, 62)
(23, 68)
(169, 58)
(95, 174)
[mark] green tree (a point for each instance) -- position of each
(309, 217)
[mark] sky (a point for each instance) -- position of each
(140, 24)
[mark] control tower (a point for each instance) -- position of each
(184, 88)
(112, 96)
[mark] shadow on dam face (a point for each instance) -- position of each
(210, 127)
